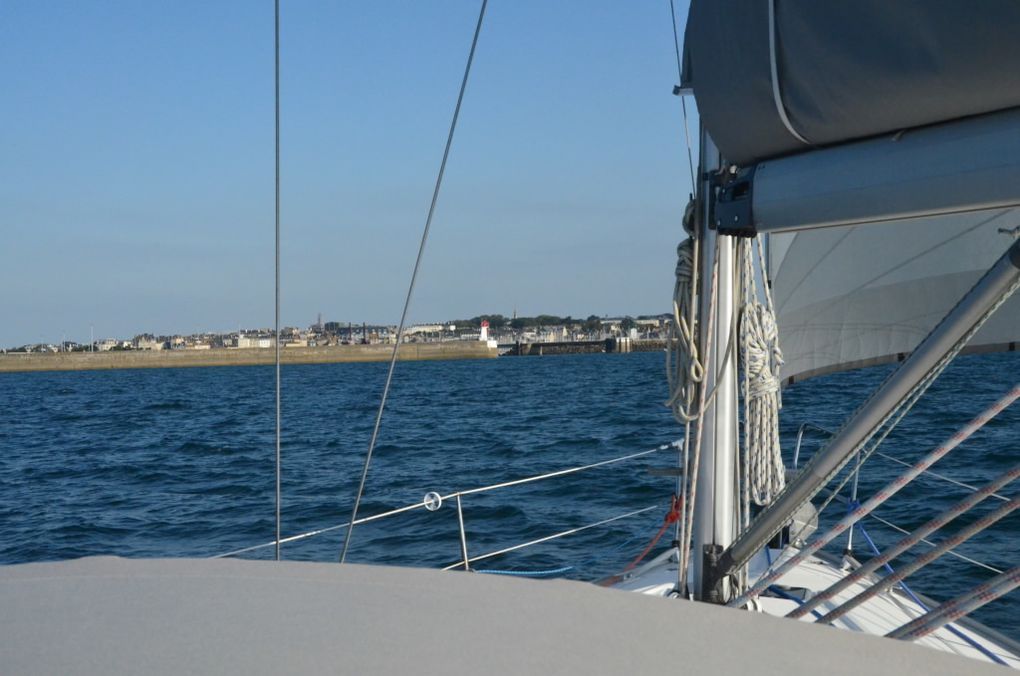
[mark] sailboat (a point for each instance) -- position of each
(856, 205)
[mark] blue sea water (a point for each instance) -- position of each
(180, 462)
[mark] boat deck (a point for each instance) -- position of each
(878, 616)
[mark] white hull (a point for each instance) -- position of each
(878, 616)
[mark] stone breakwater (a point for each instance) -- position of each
(139, 359)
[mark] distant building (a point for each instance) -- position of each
(425, 328)
(245, 342)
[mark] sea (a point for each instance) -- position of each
(181, 462)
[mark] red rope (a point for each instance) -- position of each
(672, 516)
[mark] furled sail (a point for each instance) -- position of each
(859, 295)
(875, 234)
(774, 77)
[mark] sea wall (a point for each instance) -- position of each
(143, 359)
(610, 345)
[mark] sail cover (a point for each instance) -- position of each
(845, 70)
(854, 296)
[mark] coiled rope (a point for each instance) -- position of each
(684, 369)
(685, 374)
(761, 359)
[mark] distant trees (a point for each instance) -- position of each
(495, 321)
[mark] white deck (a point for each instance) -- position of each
(878, 616)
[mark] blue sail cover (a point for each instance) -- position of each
(845, 70)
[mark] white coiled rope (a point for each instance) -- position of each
(761, 359)
(684, 370)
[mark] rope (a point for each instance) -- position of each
(692, 475)
(910, 592)
(528, 573)
(950, 611)
(672, 516)
(782, 593)
(881, 496)
(896, 414)
(414, 278)
(684, 370)
(765, 474)
(923, 560)
(906, 543)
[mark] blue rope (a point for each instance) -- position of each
(903, 585)
(528, 573)
(779, 591)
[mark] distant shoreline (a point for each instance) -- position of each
(19, 362)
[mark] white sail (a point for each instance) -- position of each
(854, 296)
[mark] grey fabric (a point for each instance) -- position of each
(847, 69)
(854, 296)
(118, 616)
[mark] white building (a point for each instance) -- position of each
(244, 341)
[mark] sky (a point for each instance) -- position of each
(137, 166)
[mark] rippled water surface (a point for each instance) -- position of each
(179, 462)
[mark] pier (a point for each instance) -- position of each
(608, 345)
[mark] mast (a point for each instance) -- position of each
(715, 513)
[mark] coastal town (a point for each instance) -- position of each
(500, 330)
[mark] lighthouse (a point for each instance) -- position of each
(483, 335)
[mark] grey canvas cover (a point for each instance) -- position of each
(846, 69)
(118, 616)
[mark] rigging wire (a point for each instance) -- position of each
(922, 560)
(904, 544)
(471, 491)
(277, 304)
(961, 606)
(773, 574)
(691, 283)
(414, 277)
(683, 99)
(966, 559)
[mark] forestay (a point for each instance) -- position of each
(854, 296)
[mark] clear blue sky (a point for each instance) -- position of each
(136, 162)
